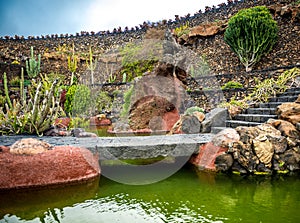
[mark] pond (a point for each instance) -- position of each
(187, 196)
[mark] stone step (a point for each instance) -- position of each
(269, 105)
(284, 99)
(261, 111)
(236, 123)
(289, 93)
(254, 117)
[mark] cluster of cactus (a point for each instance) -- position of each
(33, 116)
(33, 66)
(251, 33)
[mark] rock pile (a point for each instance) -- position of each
(264, 149)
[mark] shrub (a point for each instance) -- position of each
(136, 60)
(251, 33)
(191, 110)
(182, 30)
(103, 101)
(77, 100)
(231, 85)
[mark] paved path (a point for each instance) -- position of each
(140, 147)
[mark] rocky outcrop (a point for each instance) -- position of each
(289, 112)
(287, 11)
(30, 163)
(157, 99)
(213, 155)
(267, 148)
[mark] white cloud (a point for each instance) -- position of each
(109, 14)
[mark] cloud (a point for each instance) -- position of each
(35, 17)
(109, 14)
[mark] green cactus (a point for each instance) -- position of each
(251, 33)
(6, 90)
(91, 64)
(33, 116)
(72, 64)
(33, 66)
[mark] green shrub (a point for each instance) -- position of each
(182, 30)
(191, 110)
(231, 85)
(77, 100)
(136, 60)
(15, 81)
(251, 33)
(103, 101)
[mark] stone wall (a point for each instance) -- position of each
(222, 61)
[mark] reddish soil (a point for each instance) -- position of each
(61, 165)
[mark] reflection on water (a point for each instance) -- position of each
(187, 196)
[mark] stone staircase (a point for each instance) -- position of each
(260, 113)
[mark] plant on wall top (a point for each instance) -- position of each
(251, 33)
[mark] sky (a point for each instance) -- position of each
(42, 17)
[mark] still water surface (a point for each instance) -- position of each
(187, 196)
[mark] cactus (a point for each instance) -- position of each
(91, 64)
(251, 33)
(33, 67)
(72, 64)
(6, 91)
(33, 117)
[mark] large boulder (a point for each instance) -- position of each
(56, 166)
(215, 118)
(289, 111)
(205, 159)
(225, 137)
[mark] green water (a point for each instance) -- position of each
(187, 196)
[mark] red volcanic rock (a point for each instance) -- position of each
(207, 156)
(62, 122)
(98, 121)
(61, 165)
(170, 118)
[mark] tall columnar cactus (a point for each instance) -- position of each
(72, 64)
(91, 64)
(251, 33)
(33, 66)
(6, 90)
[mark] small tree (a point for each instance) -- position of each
(251, 33)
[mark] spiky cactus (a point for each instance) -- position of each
(6, 90)
(33, 66)
(251, 33)
(33, 116)
(72, 64)
(91, 64)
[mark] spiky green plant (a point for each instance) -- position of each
(33, 66)
(72, 64)
(251, 33)
(31, 117)
(91, 64)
